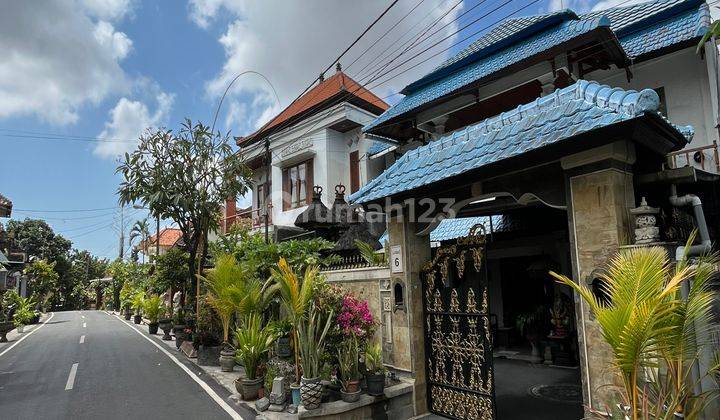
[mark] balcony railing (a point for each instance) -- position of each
(256, 216)
(348, 262)
(686, 157)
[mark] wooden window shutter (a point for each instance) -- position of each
(286, 189)
(309, 181)
(354, 171)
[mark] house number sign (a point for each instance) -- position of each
(396, 262)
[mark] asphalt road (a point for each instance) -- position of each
(117, 374)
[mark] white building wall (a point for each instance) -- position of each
(329, 149)
(684, 77)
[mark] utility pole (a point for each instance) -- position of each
(157, 236)
(122, 234)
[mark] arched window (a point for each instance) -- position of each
(399, 295)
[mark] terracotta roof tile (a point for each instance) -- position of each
(337, 84)
(168, 237)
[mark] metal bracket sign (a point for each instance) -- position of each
(396, 260)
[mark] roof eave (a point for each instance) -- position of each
(530, 30)
(667, 139)
(604, 35)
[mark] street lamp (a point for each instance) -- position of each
(157, 228)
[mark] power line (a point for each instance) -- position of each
(337, 59)
(66, 211)
(383, 35)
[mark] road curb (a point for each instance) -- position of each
(9, 346)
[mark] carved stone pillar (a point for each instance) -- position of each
(600, 193)
(408, 339)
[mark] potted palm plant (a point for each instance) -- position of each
(348, 360)
(225, 289)
(23, 314)
(137, 304)
(253, 343)
(126, 300)
(651, 327)
(375, 376)
(153, 306)
(296, 299)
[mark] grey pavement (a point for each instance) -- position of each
(119, 375)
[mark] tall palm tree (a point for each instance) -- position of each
(141, 230)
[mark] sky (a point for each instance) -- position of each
(80, 81)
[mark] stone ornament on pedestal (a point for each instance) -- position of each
(646, 229)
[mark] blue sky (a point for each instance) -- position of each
(85, 77)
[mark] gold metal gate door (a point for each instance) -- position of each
(458, 344)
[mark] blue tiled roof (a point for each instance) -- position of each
(684, 27)
(501, 36)
(502, 59)
(567, 112)
(641, 29)
(378, 147)
(455, 228)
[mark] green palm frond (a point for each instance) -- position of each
(647, 324)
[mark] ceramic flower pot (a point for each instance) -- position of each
(227, 360)
(166, 325)
(311, 392)
(350, 397)
(137, 319)
(179, 332)
(352, 386)
(375, 384)
(5, 327)
(153, 327)
(128, 315)
(248, 388)
(295, 393)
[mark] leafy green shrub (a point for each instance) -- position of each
(24, 312)
(153, 307)
(253, 343)
(374, 358)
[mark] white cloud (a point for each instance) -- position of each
(58, 58)
(111, 10)
(116, 42)
(128, 120)
(290, 42)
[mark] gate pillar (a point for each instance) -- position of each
(599, 187)
(408, 340)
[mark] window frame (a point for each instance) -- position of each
(288, 204)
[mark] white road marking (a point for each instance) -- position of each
(82, 339)
(224, 405)
(71, 377)
(84, 324)
(52, 314)
(82, 316)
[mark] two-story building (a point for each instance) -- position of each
(316, 141)
(551, 128)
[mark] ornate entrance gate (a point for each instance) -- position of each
(457, 330)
